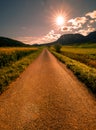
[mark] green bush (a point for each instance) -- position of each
(57, 47)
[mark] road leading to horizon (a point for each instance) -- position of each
(47, 97)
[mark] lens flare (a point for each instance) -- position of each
(60, 20)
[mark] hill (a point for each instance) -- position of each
(66, 39)
(7, 42)
(75, 39)
(71, 39)
(91, 37)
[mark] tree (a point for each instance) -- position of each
(57, 47)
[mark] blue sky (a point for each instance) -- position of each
(33, 21)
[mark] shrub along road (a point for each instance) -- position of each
(47, 97)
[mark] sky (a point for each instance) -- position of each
(34, 21)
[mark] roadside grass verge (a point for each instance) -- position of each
(88, 59)
(11, 55)
(85, 73)
(84, 55)
(10, 73)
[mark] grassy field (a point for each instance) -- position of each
(77, 59)
(11, 55)
(82, 54)
(14, 62)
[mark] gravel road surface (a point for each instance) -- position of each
(47, 96)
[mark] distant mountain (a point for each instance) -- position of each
(91, 37)
(71, 39)
(7, 42)
(66, 39)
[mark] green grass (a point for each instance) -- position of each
(85, 73)
(87, 45)
(78, 50)
(11, 55)
(10, 73)
(84, 55)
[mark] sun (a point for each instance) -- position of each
(60, 20)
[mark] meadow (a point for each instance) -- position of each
(84, 55)
(13, 61)
(11, 55)
(82, 61)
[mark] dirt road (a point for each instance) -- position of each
(47, 97)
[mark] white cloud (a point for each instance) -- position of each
(86, 31)
(83, 25)
(30, 40)
(89, 26)
(92, 14)
(92, 21)
(78, 21)
(91, 29)
(51, 36)
(66, 29)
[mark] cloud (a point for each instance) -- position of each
(66, 29)
(86, 31)
(92, 21)
(30, 40)
(92, 14)
(78, 21)
(51, 36)
(82, 25)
